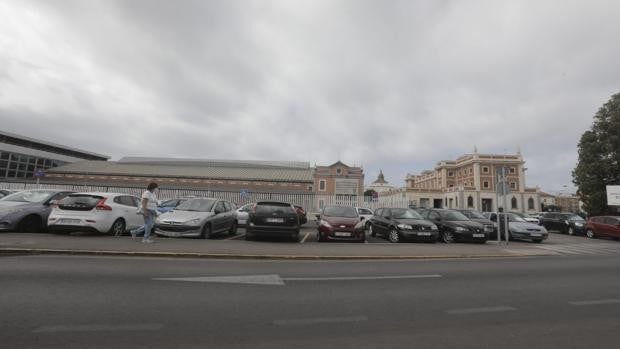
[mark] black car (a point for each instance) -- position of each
(397, 224)
(273, 219)
(489, 226)
(455, 226)
(567, 223)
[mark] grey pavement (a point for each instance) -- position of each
(306, 248)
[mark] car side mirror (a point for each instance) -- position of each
(362, 218)
(217, 211)
(53, 202)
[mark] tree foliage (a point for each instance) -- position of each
(599, 158)
(369, 192)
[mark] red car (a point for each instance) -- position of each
(340, 223)
(603, 226)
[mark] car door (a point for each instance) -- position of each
(134, 218)
(218, 220)
(435, 217)
(614, 227)
(384, 222)
(231, 218)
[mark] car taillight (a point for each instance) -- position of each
(101, 206)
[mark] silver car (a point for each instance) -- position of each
(519, 228)
(27, 211)
(243, 214)
(198, 217)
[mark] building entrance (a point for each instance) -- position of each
(487, 205)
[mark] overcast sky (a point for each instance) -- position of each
(396, 85)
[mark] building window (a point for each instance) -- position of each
(339, 171)
(450, 174)
(512, 170)
(322, 185)
(470, 202)
(530, 204)
(485, 185)
(513, 203)
(471, 171)
(485, 169)
(513, 185)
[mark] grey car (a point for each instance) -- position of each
(198, 217)
(27, 211)
(519, 228)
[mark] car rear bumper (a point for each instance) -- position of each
(272, 231)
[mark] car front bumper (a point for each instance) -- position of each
(174, 231)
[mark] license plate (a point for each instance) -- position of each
(478, 235)
(536, 234)
(274, 220)
(69, 221)
(342, 233)
(424, 234)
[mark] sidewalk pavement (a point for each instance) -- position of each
(238, 248)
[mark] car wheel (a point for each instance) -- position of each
(590, 234)
(233, 229)
(447, 237)
(571, 231)
(393, 236)
(30, 224)
(118, 227)
(371, 231)
(206, 232)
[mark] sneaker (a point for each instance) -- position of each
(148, 241)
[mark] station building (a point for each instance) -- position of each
(470, 182)
(21, 157)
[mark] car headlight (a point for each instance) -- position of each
(325, 223)
(577, 224)
(193, 222)
(405, 227)
(460, 229)
(433, 227)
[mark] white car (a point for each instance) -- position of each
(365, 213)
(243, 214)
(111, 213)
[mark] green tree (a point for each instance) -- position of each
(599, 158)
(369, 192)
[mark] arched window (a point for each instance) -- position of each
(530, 204)
(513, 203)
(470, 202)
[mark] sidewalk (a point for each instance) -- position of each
(83, 244)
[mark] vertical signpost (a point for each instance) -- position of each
(502, 189)
(38, 173)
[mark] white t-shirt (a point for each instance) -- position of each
(151, 203)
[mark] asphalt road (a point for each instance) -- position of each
(102, 302)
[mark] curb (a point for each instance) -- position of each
(43, 251)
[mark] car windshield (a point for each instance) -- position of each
(405, 213)
(198, 205)
(473, 214)
(574, 217)
(513, 218)
(340, 211)
(31, 196)
(453, 216)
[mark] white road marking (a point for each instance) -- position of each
(274, 279)
(324, 320)
(305, 237)
(349, 278)
(480, 310)
(596, 302)
(98, 328)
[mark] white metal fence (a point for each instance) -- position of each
(311, 202)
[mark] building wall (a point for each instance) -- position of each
(348, 180)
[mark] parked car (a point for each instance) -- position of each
(519, 228)
(455, 226)
(608, 226)
(5, 192)
(489, 226)
(527, 218)
(365, 215)
(399, 224)
(198, 217)
(169, 205)
(301, 212)
(567, 223)
(27, 210)
(340, 223)
(112, 213)
(273, 219)
(243, 214)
